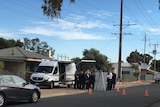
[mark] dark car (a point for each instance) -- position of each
(14, 88)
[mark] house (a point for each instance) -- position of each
(19, 61)
(127, 71)
(146, 72)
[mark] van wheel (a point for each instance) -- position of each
(51, 85)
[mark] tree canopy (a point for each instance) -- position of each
(101, 63)
(10, 43)
(52, 8)
(35, 45)
(136, 57)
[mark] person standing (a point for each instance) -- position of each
(82, 80)
(76, 84)
(109, 80)
(92, 80)
(87, 79)
(114, 78)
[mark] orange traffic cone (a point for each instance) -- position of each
(127, 83)
(123, 92)
(146, 93)
(89, 91)
(138, 82)
(117, 89)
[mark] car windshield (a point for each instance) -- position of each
(45, 69)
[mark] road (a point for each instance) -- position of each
(134, 98)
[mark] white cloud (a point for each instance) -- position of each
(68, 29)
(149, 11)
(5, 34)
(101, 13)
(37, 30)
(66, 35)
(155, 30)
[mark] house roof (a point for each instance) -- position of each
(17, 53)
(144, 66)
(122, 65)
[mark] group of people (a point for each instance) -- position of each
(84, 80)
(111, 80)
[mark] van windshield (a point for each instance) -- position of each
(45, 69)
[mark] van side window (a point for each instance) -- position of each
(55, 70)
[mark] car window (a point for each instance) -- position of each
(18, 80)
(5, 80)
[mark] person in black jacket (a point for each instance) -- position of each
(114, 78)
(81, 80)
(87, 79)
(92, 80)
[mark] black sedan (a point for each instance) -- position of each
(14, 88)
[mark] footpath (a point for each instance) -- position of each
(69, 91)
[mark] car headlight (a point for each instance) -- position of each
(46, 78)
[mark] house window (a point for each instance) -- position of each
(125, 72)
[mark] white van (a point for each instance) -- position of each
(54, 73)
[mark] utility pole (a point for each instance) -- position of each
(120, 40)
(159, 4)
(155, 53)
(145, 39)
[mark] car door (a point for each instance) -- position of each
(9, 87)
(22, 90)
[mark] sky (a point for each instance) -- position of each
(86, 24)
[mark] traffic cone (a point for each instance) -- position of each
(117, 89)
(123, 92)
(127, 83)
(138, 82)
(146, 93)
(89, 91)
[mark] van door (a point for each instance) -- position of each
(70, 72)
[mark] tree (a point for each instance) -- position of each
(136, 57)
(10, 43)
(157, 65)
(52, 8)
(102, 62)
(36, 46)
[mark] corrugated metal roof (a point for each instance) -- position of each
(122, 65)
(19, 54)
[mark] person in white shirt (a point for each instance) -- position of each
(109, 80)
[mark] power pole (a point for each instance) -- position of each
(155, 53)
(120, 40)
(145, 39)
(159, 4)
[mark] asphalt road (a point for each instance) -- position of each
(134, 98)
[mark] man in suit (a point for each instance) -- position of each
(109, 80)
(114, 77)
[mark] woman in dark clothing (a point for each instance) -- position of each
(92, 80)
